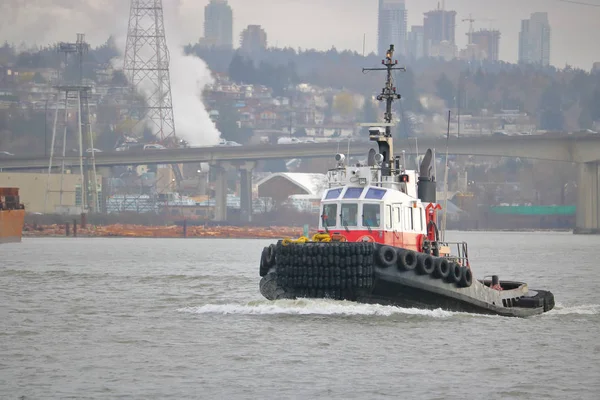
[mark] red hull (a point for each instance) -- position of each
(405, 240)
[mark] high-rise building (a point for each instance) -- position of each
(416, 42)
(392, 26)
(253, 39)
(488, 43)
(439, 26)
(534, 40)
(218, 24)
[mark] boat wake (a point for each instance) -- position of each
(347, 308)
(313, 307)
(586, 309)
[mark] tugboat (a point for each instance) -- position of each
(12, 216)
(378, 241)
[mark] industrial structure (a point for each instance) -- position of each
(147, 66)
(75, 95)
(147, 69)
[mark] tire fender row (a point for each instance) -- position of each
(425, 264)
(323, 270)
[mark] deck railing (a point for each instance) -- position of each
(461, 256)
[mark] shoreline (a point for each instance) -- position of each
(161, 232)
(200, 232)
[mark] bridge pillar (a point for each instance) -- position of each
(246, 190)
(587, 218)
(220, 191)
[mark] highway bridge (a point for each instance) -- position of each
(583, 149)
(580, 148)
(563, 147)
(212, 154)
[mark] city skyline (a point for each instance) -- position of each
(573, 21)
(315, 24)
(218, 24)
(391, 26)
(535, 40)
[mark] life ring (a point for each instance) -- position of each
(338, 237)
(387, 256)
(366, 238)
(407, 260)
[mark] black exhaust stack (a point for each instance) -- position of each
(427, 184)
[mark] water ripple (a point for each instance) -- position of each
(169, 319)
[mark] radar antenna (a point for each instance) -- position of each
(388, 93)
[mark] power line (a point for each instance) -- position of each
(581, 3)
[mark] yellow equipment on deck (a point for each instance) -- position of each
(317, 238)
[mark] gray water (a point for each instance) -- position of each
(179, 319)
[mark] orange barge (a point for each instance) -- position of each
(12, 215)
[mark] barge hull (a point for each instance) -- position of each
(11, 225)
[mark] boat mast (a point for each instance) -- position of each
(388, 93)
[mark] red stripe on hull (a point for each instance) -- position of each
(406, 240)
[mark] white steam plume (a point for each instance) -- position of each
(189, 76)
(45, 22)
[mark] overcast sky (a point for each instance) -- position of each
(316, 24)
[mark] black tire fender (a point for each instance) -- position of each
(387, 256)
(425, 264)
(442, 268)
(455, 274)
(407, 260)
(271, 255)
(264, 267)
(466, 278)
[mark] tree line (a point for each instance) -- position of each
(558, 99)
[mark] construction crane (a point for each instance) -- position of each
(471, 20)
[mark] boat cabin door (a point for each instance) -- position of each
(395, 222)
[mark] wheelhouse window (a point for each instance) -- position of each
(329, 215)
(333, 194)
(371, 215)
(349, 214)
(375, 194)
(353, 193)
